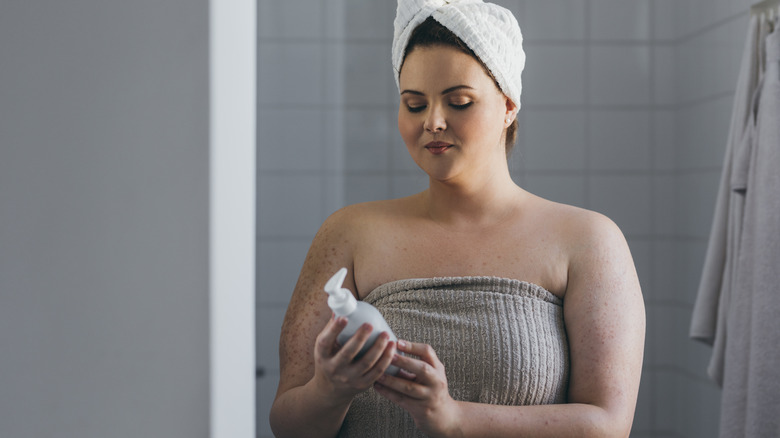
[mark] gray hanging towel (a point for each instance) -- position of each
(709, 322)
(751, 379)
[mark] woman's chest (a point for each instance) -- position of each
(395, 253)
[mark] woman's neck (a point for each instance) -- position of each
(478, 202)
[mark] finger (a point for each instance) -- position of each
(426, 369)
(423, 351)
(374, 354)
(380, 365)
(402, 387)
(392, 395)
(326, 340)
(352, 347)
(403, 374)
(412, 367)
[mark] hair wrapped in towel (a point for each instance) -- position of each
(489, 30)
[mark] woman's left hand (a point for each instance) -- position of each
(420, 388)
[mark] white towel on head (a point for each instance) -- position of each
(489, 30)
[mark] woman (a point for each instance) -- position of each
(516, 316)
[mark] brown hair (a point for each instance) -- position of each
(431, 33)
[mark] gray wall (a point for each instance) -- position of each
(698, 50)
(104, 219)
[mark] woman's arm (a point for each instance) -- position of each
(318, 378)
(318, 407)
(604, 317)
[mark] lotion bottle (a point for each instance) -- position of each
(343, 303)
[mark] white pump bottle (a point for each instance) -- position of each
(343, 303)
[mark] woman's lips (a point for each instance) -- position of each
(437, 147)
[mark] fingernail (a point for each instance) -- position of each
(401, 344)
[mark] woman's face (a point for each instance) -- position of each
(452, 115)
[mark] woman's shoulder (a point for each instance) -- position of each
(577, 226)
(591, 245)
(370, 214)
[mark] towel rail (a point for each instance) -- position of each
(770, 7)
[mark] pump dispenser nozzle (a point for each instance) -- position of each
(341, 300)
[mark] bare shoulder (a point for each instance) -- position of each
(368, 213)
(388, 208)
(591, 244)
(362, 226)
(347, 226)
(597, 247)
(577, 229)
(576, 222)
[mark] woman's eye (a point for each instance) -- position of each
(415, 109)
(462, 106)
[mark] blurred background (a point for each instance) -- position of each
(127, 218)
(625, 110)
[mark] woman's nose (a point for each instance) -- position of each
(435, 122)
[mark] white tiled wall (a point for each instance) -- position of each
(696, 58)
(553, 74)
(619, 140)
(625, 109)
(619, 74)
(551, 20)
(620, 20)
(301, 143)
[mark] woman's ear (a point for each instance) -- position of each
(511, 111)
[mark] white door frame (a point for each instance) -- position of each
(232, 84)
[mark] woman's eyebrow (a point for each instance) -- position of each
(455, 88)
(448, 90)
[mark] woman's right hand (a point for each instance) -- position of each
(337, 371)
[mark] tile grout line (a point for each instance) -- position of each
(588, 116)
(652, 411)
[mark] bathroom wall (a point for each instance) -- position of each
(127, 218)
(104, 225)
(299, 158)
(625, 110)
(698, 47)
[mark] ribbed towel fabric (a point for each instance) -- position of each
(502, 342)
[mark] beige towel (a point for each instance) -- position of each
(501, 341)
